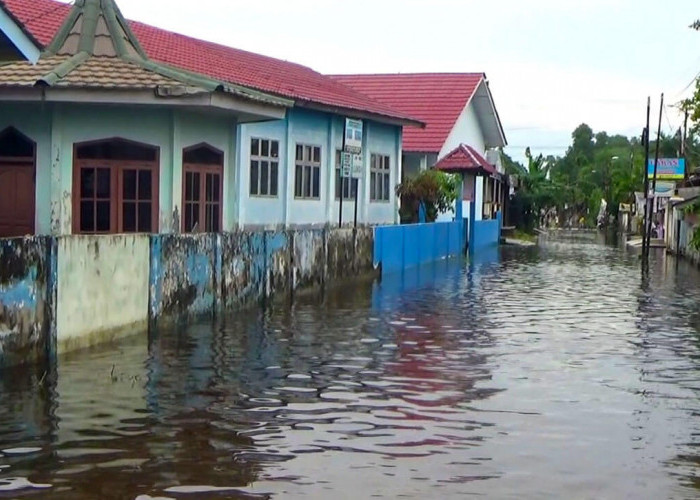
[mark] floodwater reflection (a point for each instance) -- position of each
(527, 373)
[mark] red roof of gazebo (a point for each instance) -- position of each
(465, 159)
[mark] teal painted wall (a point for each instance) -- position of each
(324, 130)
(34, 121)
(57, 127)
(256, 210)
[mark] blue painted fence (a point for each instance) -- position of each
(484, 234)
(400, 247)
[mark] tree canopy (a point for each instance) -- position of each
(597, 166)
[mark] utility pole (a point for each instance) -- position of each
(645, 140)
(656, 164)
(684, 139)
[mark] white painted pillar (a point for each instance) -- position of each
(58, 226)
(399, 173)
(176, 185)
(233, 171)
(288, 169)
(330, 176)
(363, 198)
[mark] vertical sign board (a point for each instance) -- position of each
(351, 160)
(668, 169)
(353, 136)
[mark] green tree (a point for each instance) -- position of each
(436, 190)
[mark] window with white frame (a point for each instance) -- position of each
(264, 167)
(307, 175)
(348, 186)
(380, 178)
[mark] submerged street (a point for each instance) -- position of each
(558, 371)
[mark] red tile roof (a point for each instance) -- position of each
(464, 159)
(43, 18)
(435, 98)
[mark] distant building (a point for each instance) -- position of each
(459, 111)
(121, 127)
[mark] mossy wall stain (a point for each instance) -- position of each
(173, 275)
(24, 306)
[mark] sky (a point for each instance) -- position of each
(551, 64)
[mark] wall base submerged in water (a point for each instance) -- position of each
(62, 294)
(401, 247)
(27, 293)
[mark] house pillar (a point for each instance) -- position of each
(61, 176)
(363, 209)
(233, 170)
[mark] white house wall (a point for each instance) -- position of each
(466, 130)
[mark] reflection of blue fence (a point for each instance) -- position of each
(401, 247)
(486, 233)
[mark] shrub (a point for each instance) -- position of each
(437, 190)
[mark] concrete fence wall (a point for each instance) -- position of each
(61, 294)
(401, 247)
(27, 293)
(102, 288)
(486, 233)
(679, 235)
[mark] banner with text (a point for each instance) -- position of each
(668, 169)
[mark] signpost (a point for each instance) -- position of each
(668, 169)
(351, 165)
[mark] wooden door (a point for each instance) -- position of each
(17, 199)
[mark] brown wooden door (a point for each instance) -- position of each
(17, 197)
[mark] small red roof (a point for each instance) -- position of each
(434, 98)
(42, 18)
(465, 159)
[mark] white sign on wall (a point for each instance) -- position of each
(345, 164)
(353, 136)
(351, 165)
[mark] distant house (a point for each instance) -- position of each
(121, 127)
(459, 111)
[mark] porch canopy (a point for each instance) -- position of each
(465, 159)
(95, 58)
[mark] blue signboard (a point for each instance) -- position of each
(668, 169)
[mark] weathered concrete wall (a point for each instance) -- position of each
(349, 252)
(308, 257)
(26, 289)
(278, 263)
(102, 288)
(201, 274)
(243, 268)
(183, 277)
(65, 293)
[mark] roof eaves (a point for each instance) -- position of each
(20, 24)
(37, 45)
(358, 113)
(495, 111)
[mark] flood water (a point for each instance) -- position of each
(554, 372)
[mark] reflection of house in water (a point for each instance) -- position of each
(441, 359)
